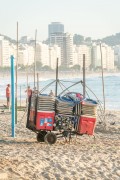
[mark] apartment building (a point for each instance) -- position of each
(55, 27)
(42, 54)
(65, 42)
(61, 46)
(110, 58)
(75, 56)
(78, 55)
(117, 54)
(54, 53)
(68, 50)
(57, 39)
(107, 57)
(4, 52)
(25, 55)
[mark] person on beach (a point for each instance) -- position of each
(51, 93)
(35, 91)
(29, 93)
(8, 95)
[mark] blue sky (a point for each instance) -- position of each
(90, 18)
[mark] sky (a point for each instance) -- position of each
(90, 18)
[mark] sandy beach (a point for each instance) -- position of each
(85, 158)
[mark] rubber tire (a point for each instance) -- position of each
(50, 138)
(41, 135)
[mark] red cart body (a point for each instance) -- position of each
(45, 120)
(86, 125)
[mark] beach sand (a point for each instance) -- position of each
(85, 158)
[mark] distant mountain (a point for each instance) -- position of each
(79, 39)
(109, 40)
(112, 40)
(8, 38)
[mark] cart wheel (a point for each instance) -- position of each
(41, 135)
(50, 138)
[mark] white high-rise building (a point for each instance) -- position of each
(57, 39)
(4, 52)
(25, 55)
(96, 56)
(13, 51)
(54, 53)
(78, 55)
(65, 42)
(107, 57)
(117, 55)
(68, 50)
(75, 56)
(42, 54)
(110, 58)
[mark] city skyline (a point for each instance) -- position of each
(61, 47)
(96, 18)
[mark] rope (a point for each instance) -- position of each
(60, 85)
(86, 92)
(64, 87)
(99, 102)
(70, 87)
(67, 81)
(47, 86)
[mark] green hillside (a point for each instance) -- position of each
(112, 40)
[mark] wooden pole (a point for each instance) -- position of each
(35, 59)
(37, 83)
(27, 84)
(20, 95)
(56, 87)
(16, 79)
(83, 75)
(102, 77)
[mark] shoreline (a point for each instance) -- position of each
(62, 74)
(91, 80)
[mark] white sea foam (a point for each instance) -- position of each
(93, 81)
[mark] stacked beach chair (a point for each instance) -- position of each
(46, 103)
(88, 109)
(64, 107)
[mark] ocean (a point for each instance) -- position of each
(93, 82)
